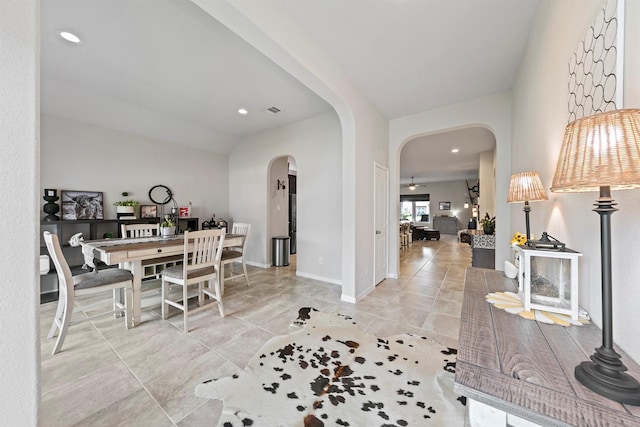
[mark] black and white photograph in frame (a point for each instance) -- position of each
(148, 211)
(445, 206)
(82, 205)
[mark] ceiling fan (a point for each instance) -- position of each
(411, 186)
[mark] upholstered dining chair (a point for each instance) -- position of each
(84, 284)
(232, 255)
(201, 263)
(140, 230)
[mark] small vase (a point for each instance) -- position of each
(488, 230)
(167, 231)
(51, 208)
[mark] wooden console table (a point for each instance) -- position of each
(512, 369)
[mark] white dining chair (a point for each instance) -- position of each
(140, 230)
(70, 287)
(151, 267)
(201, 263)
(232, 255)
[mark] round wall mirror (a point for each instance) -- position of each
(160, 194)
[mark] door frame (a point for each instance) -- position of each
(385, 247)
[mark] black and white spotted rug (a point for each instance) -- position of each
(328, 372)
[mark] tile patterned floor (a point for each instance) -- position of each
(107, 375)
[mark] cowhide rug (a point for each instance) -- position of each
(328, 372)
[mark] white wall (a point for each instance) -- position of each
(487, 172)
(364, 129)
(19, 172)
(80, 156)
(316, 146)
(539, 118)
(493, 113)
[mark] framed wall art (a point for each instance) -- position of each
(445, 206)
(81, 205)
(184, 212)
(148, 211)
(596, 67)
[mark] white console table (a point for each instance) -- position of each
(519, 372)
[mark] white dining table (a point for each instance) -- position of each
(131, 252)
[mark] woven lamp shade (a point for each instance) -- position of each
(600, 150)
(526, 187)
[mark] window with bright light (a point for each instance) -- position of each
(415, 208)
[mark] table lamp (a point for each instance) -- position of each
(602, 152)
(526, 187)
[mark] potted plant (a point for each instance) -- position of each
(488, 223)
(126, 206)
(167, 227)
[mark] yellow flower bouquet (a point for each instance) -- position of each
(518, 239)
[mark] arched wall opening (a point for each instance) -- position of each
(279, 192)
(364, 137)
(492, 113)
(445, 168)
(281, 196)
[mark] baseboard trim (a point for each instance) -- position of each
(320, 278)
(256, 264)
(352, 300)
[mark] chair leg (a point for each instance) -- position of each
(128, 312)
(165, 306)
(221, 278)
(185, 307)
(57, 320)
(219, 296)
(244, 268)
(64, 327)
(119, 299)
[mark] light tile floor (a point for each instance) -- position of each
(107, 375)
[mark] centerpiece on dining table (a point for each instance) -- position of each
(168, 227)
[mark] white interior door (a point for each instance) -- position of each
(381, 207)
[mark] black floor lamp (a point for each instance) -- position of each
(526, 187)
(602, 152)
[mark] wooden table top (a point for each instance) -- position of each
(526, 368)
(116, 245)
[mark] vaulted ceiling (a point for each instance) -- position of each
(168, 70)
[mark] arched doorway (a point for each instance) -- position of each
(442, 167)
(282, 196)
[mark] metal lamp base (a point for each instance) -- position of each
(614, 385)
(605, 374)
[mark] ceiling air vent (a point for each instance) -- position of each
(273, 110)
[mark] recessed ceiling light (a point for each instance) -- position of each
(243, 111)
(70, 37)
(455, 150)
